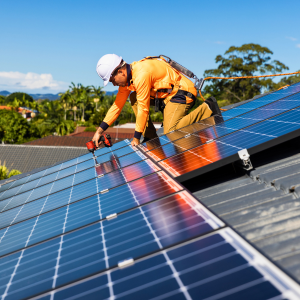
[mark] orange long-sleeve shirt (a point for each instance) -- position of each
(148, 75)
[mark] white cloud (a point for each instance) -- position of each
(30, 81)
(291, 38)
(298, 45)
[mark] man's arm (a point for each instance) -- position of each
(143, 86)
(112, 114)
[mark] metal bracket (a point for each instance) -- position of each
(101, 175)
(209, 141)
(245, 158)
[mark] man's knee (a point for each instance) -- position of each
(132, 98)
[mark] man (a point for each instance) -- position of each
(151, 80)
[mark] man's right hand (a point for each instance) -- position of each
(97, 136)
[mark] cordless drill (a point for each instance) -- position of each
(106, 139)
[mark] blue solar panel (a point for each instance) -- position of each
(102, 245)
(33, 206)
(41, 187)
(231, 113)
(66, 233)
(225, 128)
(64, 169)
(86, 211)
(229, 145)
(215, 267)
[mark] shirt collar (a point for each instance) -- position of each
(129, 75)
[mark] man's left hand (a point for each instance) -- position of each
(135, 142)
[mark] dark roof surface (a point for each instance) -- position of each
(27, 158)
(263, 205)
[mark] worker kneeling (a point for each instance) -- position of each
(151, 81)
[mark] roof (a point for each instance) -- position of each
(27, 158)
(263, 205)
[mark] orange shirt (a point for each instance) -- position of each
(148, 75)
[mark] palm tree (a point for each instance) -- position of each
(65, 99)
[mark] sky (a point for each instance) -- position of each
(46, 45)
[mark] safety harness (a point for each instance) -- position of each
(160, 103)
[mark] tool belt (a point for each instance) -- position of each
(159, 102)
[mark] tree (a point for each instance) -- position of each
(2, 100)
(20, 96)
(247, 60)
(5, 173)
(14, 128)
(287, 81)
(52, 120)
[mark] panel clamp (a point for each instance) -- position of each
(245, 158)
(101, 175)
(112, 216)
(126, 263)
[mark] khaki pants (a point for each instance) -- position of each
(175, 116)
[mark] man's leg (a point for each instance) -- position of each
(150, 131)
(175, 115)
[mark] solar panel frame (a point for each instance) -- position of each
(232, 158)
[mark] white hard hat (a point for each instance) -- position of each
(106, 65)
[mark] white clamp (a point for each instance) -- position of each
(245, 158)
(112, 216)
(126, 263)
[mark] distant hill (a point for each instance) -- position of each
(49, 96)
(4, 93)
(35, 96)
(110, 93)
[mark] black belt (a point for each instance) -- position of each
(160, 105)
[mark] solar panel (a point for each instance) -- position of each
(86, 211)
(120, 227)
(34, 206)
(66, 168)
(197, 138)
(67, 178)
(231, 113)
(95, 248)
(218, 266)
(224, 150)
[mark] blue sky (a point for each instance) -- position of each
(47, 44)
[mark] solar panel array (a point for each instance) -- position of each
(118, 226)
(214, 140)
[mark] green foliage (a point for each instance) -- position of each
(5, 173)
(91, 129)
(247, 60)
(20, 96)
(14, 128)
(287, 81)
(2, 100)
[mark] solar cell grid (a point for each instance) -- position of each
(217, 266)
(225, 128)
(86, 211)
(71, 163)
(33, 207)
(13, 195)
(175, 135)
(94, 248)
(229, 145)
